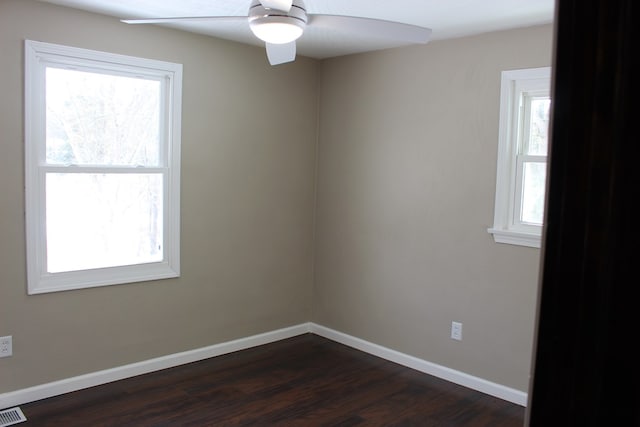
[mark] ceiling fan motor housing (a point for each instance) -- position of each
(282, 27)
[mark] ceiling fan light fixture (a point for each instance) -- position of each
(277, 26)
(279, 23)
(277, 29)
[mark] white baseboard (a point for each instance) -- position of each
(497, 390)
(56, 388)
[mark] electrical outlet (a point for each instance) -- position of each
(456, 331)
(6, 346)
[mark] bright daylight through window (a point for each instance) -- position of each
(522, 156)
(102, 168)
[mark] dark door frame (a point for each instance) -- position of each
(585, 368)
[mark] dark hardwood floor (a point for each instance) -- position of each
(302, 381)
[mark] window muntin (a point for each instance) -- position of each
(102, 168)
(522, 156)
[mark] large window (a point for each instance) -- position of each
(522, 156)
(102, 168)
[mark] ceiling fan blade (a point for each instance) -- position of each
(281, 53)
(283, 5)
(371, 27)
(185, 18)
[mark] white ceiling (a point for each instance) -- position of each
(446, 18)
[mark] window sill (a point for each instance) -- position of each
(515, 238)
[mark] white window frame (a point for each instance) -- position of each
(38, 56)
(515, 85)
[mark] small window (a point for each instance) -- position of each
(525, 102)
(102, 165)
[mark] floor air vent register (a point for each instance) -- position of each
(11, 416)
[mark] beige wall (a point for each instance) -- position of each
(247, 205)
(406, 184)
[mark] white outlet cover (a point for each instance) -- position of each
(6, 346)
(456, 331)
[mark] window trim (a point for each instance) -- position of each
(513, 84)
(38, 56)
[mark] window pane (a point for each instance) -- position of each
(103, 220)
(100, 119)
(539, 127)
(532, 211)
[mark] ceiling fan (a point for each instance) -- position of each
(279, 23)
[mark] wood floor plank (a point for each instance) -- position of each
(302, 381)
